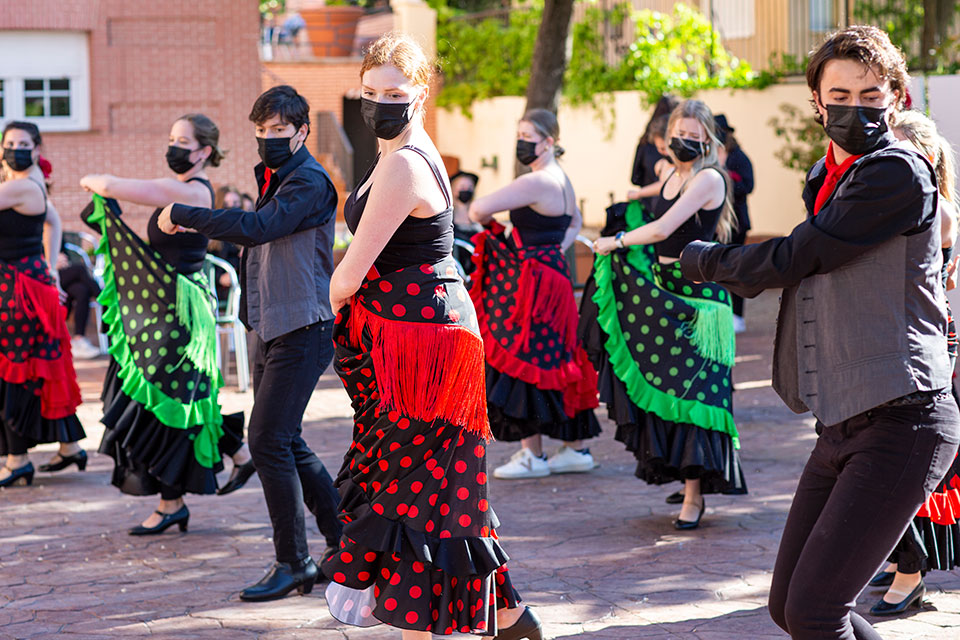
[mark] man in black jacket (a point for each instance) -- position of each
(284, 276)
(860, 340)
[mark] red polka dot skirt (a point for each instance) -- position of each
(39, 394)
(419, 549)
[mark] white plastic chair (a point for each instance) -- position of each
(228, 320)
(81, 254)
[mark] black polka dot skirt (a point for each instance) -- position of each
(539, 379)
(39, 394)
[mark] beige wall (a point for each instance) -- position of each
(599, 162)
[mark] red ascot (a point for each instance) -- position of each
(267, 173)
(834, 173)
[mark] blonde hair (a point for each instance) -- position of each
(922, 132)
(710, 159)
(401, 51)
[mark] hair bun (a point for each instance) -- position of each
(558, 150)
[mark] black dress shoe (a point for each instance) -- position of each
(675, 498)
(238, 478)
(180, 517)
(283, 578)
(22, 475)
(884, 608)
(527, 627)
(686, 525)
(882, 579)
(79, 459)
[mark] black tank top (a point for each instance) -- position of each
(21, 235)
(416, 240)
(184, 251)
(700, 226)
(536, 228)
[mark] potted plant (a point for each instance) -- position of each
(331, 28)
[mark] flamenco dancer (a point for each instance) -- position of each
(419, 549)
(664, 346)
(874, 374)
(284, 276)
(39, 394)
(932, 539)
(539, 379)
(164, 429)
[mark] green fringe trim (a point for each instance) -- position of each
(641, 392)
(195, 313)
(169, 411)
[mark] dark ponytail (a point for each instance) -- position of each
(208, 135)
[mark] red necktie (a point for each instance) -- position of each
(266, 181)
(834, 173)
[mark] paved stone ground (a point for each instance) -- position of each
(596, 554)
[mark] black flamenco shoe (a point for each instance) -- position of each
(283, 578)
(79, 459)
(238, 477)
(675, 498)
(882, 579)
(180, 517)
(527, 627)
(915, 599)
(22, 476)
(686, 525)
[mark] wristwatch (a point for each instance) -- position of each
(618, 239)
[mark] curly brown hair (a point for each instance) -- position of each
(871, 47)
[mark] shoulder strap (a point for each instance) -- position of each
(206, 183)
(43, 192)
(436, 173)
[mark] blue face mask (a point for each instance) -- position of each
(18, 159)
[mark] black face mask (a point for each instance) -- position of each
(386, 120)
(178, 159)
(274, 151)
(685, 149)
(465, 195)
(18, 159)
(526, 151)
(857, 130)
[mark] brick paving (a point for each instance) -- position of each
(596, 554)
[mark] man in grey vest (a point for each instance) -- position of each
(861, 339)
(285, 278)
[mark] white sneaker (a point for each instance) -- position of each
(739, 326)
(523, 464)
(81, 348)
(568, 460)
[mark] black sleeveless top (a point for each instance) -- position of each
(416, 240)
(184, 251)
(21, 235)
(700, 226)
(536, 228)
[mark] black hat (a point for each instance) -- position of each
(720, 121)
(465, 174)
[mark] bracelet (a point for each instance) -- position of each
(618, 239)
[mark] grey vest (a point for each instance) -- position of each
(866, 333)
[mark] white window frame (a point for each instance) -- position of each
(46, 55)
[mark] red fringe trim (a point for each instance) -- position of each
(545, 295)
(943, 507)
(576, 379)
(60, 394)
(427, 371)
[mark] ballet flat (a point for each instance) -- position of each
(527, 627)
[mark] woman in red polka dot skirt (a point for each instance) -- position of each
(39, 394)
(539, 378)
(419, 549)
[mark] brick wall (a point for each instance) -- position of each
(151, 62)
(324, 82)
